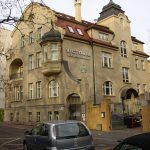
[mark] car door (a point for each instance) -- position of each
(43, 139)
(31, 137)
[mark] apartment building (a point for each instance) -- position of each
(62, 67)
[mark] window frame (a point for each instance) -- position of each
(125, 74)
(30, 37)
(38, 90)
(123, 49)
(108, 88)
(70, 29)
(54, 52)
(31, 62)
(107, 60)
(51, 87)
(30, 91)
(38, 59)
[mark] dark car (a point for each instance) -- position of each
(136, 142)
(59, 135)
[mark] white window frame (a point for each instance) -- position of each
(53, 89)
(30, 90)
(54, 51)
(38, 90)
(56, 115)
(29, 116)
(103, 36)
(137, 63)
(138, 88)
(123, 48)
(18, 93)
(70, 29)
(38, 116)
(50, 115)
(143, 64)
(31, 37)
(31, 62)
(79, 31)
(22, 40)
(125, 73)
(38, 59)
(45, 53)
(39, 33)
(107, 88)
(107, 60)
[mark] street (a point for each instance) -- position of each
(11, 137)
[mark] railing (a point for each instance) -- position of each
(16, 76)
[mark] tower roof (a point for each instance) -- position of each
(52, 35)
(110, 9)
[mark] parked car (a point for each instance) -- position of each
(59, 135)
(136, 142)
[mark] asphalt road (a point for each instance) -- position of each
(11, 137)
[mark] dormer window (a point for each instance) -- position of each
(103, 36)
(70, 29)
(79, 31)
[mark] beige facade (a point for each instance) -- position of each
(57, 67)
(5, 43)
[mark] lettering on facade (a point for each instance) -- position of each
(78, 54)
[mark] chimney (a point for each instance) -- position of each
(77, 4)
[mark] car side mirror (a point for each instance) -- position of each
(27, 132)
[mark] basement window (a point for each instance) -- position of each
(70, 29)
(79, 31)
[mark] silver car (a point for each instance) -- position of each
(59, 135)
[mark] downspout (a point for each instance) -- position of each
(91, 43)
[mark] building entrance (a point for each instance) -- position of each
(74, 107)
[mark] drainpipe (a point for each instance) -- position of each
(91, 43)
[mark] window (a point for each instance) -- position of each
(70, 29)
(11, 116)
(31, 37)
(53, 89)
(107, 60)
(49, 116)
(30, 117)
(30, 92)
(123, 49)
(143, 64)
(103, 36)
(56, 115)
(71, 130)
(39, 33)
(38, 60)
(144, 88)
(107, 88)
(79, 31)
(22, 41)
(54, 51)
(38, 117)
(18, 93)
(31, 62)
(137, 63)
(17, 117)
(138, 88)
(125, 74)
(45, 53)
(38, 89)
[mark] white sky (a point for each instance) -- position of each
(137, 11)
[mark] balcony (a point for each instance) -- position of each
(16, 76)
(51, 67)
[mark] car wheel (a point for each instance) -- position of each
(25, 147)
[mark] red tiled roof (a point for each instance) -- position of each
(65, 20)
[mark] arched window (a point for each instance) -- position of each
(123, 49)
(53, 89)
(107, 88)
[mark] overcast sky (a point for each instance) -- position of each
(137, 11)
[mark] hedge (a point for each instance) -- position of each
(1, 115)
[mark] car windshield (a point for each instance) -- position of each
(71, 130)
(127, 146)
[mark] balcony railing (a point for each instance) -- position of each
(16, 76)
